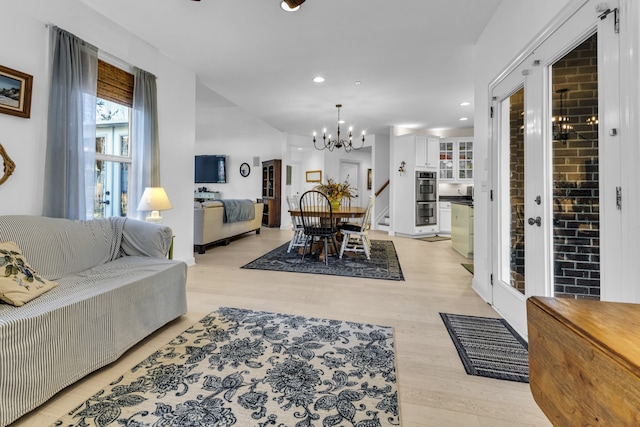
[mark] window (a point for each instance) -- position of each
(113, 150)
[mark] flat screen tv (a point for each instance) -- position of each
(211, 169)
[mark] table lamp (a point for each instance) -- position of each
(154, 199)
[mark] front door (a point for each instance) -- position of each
(549, 114)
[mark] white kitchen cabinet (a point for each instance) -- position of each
(456, 159)
(462, 229)
(444, 220)
(414, 151)
(427, 150)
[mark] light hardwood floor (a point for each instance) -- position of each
(433, 387)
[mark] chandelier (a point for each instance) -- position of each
(561, 126)
(332, 144)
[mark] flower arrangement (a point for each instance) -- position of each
(336, 190)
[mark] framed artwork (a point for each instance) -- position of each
(314, 176)
(369, 179)
(289, 172)
(15, 92)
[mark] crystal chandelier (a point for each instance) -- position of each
(330, 144)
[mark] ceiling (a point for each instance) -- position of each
(413, 58)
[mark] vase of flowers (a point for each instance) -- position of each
(336, 191)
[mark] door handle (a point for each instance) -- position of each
(537, 221)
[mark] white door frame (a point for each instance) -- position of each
(576, 23)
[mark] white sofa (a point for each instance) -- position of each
(209, 226)
(115, 287)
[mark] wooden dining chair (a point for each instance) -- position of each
(355, 237)
(317, 221)
(299, 238)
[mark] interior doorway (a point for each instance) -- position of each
(350, 172)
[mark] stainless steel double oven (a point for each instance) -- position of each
(426, 198)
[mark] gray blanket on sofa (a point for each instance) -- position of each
(236, 210)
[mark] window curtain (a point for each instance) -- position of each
(71, 131)
(145, 153)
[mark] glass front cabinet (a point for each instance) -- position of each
(456, 159)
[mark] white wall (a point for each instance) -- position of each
(513, 26)
(241, 137)
(25, 139)
(381, 173)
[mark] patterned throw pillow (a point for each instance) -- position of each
(19, 283)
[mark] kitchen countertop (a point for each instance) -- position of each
(459, 200)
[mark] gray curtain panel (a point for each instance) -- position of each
(71, 133)
(145, 154)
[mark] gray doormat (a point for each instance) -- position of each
(434, 238)
(468, 267)
(489, 347)
(383, 264)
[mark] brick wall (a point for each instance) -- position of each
(575, 175)
(516, 190)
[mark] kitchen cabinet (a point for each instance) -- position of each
(414, 151)
(456, 159)
(444, 220)
(462, 228)
(427, 150)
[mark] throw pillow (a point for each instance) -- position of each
(19, 283)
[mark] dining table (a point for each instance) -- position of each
(340, 215)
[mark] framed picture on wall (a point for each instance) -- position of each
(15, 92)
(314, 176)
(369, 179)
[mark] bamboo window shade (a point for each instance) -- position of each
(115, 84)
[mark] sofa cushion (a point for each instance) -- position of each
(19, 282)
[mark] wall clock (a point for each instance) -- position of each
(245, 170)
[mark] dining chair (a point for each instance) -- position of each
(317, 221)
(299, 238)
(355, 237)
(345, 203)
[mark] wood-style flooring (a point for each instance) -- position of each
(434, 389)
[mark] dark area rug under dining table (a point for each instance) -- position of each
(384, 263)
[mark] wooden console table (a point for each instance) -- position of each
(584, 361)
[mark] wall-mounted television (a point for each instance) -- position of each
(210, 169)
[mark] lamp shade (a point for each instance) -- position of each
(154, 199)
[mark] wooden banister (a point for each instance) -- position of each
(385, 185)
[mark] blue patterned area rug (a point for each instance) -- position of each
(489, 347)
(250, 368)
(383, 264)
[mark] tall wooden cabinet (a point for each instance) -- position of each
(271, 182)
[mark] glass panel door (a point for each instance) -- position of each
(512, 177)
(446, 160)
(516, 139)
(576, 198)
(465, 160)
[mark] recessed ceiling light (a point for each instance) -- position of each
(465, 104)
(284, 6)
(358, 82)
(462, 119)
(318, 79)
